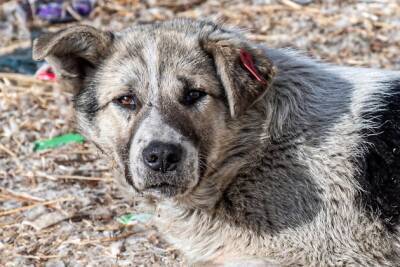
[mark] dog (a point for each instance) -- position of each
(252, 156)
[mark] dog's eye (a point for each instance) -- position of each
(127, 101)
(192, 96)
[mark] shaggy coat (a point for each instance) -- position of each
(286, 161)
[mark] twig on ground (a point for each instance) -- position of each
(16, 210)
(20, 196)
(101, 240)
(75, 177)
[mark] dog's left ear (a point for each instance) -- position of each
(245, 71)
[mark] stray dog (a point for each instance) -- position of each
(252, 156)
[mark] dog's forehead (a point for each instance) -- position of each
(164, 48)
(153, 60)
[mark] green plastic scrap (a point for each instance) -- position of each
(58, 141)
(129, 218)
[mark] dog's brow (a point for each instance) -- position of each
(191, 83)
(187, 83)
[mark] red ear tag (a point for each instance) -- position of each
(247, 61)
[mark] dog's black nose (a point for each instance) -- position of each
(162, 157)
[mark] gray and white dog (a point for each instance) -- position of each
(251, 155)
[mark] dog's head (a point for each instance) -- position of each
(159, 99)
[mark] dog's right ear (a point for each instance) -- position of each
(73, 53)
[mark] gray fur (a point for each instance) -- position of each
(278, 186)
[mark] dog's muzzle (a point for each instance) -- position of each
(163, 162)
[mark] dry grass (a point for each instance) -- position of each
(60, 206)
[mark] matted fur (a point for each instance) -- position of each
(273, 178)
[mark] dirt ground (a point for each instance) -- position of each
(59, 207)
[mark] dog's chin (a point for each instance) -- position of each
(165, 187)
(163, 190)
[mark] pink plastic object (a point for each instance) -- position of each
(45, 73)
(247, 61)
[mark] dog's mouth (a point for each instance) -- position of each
(163, 189)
